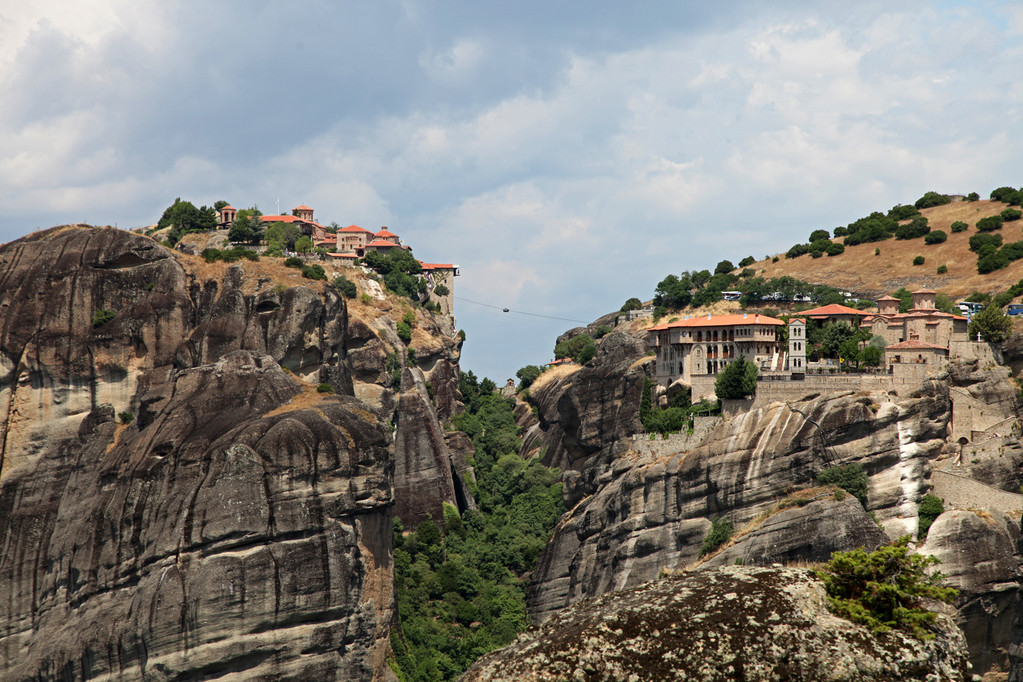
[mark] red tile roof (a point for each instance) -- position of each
(354, 228)
(225, 208)
(914, 344)
(342, 255)
(832, 309)
(303, 207)
(381, 242)
(280, 219)
(719, 321)
(887, 298)
(384, 233)
(437, 266)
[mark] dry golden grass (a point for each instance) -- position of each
(308, 398)
(553, 374)
(859, 270)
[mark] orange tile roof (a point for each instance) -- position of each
(381, 242)
(797, 319)
(384, 233)
(437, 266)
(886, 298)
(303, 207)
(832, 309)
(224, 208)
(354, 228)
(280, 219)
(342, 255)
(914, 344)
(719, 321)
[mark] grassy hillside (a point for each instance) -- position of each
(860, 271)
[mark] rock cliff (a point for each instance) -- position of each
(733, 623)
(176, 498)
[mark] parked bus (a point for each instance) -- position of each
(731, 295)
(1015, 309)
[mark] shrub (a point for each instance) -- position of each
(102, 316)
(724, 267)
(935, 237)
(314, 272)
(527, 375)
(748, 260)
(345, 286)
(979, 240)
(404, 332)
(932, 199)
(441, 290)
(850, 478)
(834, 249)
(409, 318)
(293, 262)
(1010, 214)
(942, 269)
(990, 261)
(817, 235)
(1003, 194)
(900, 212)
(126, 417)
(324, 388)
(720, 532)
(884, 589)
(915, 228)
(989, 224)
(930, 508)
(973, 196)
(775, 259)
(797, 250)
(959, 226)
(877, 251)
(919, 260)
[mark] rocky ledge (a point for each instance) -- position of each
(733, 623)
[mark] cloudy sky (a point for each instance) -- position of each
(567, 155)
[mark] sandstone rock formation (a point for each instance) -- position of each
(723, 624)
(241, 523)
(653, 510)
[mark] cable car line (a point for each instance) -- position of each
(519, 312)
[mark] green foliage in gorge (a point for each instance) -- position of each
(461, 591)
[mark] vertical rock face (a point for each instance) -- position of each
(241, 523)
(979, 553)
(653, 510)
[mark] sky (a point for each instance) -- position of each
(566, 155)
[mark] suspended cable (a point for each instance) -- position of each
(519, 312)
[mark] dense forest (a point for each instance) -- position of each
(461, 580)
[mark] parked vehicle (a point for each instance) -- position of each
(1015, 309)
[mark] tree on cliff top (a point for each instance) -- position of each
(737, 380)
(992, 325)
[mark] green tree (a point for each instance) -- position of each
(871, 356)
(748, 260)
(724, 267)
(345, 286)
(527, 375)
(959, 226)
(581, 348)
(989, 224)
(935, 237)
(885, 589)
(631, 304)
(991, 324)
(737, 380)
(247, 227)
(303, 244)
(283, 234)
(818, 235)
(1003, 194)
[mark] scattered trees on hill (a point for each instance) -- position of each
(917, 227)
(989, 224)
(182, 217)
(900, 212)
(631, 304)
(874, 228)
(935, 237)
(1006, 195)
(1010, 214)
(724, 267)
(527, 375)
(959, 226)
(932, 199)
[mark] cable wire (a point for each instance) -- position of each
(519, 312)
